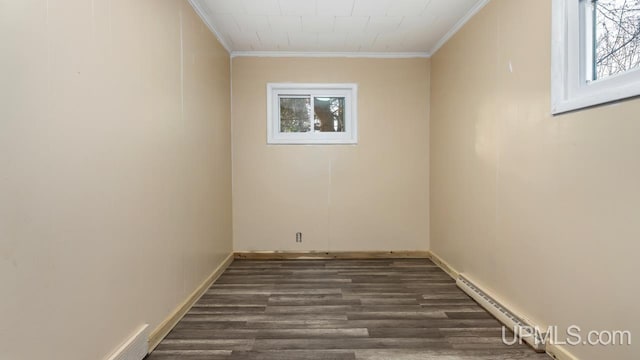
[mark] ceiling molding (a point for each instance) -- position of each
(202, 13)
(380, 55)
(474, 10)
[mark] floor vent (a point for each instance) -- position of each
(534, 338)
(135, 348)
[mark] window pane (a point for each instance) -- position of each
(294, 114)
(328, 114)
(616, 24)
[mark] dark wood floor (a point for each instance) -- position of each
(334, 310)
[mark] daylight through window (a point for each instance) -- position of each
(614, 41)
(312, 113)
(595, 52)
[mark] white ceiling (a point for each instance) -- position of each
(409, 27)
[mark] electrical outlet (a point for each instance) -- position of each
(298, 237)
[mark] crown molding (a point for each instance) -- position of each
(202, 13)
(474, 10)
(331, 54)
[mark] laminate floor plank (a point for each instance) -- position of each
(293, 355)
(243, 344)
(351, 343)
(427, 354)
(405, 309)
(247, 333)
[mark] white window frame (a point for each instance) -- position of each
(570, 87)
(348, 91)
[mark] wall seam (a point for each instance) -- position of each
(231, 152)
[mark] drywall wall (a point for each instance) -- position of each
(541, 210)
(369, 196)
(115, 170)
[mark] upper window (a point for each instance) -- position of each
(596, 52)
(312, 113)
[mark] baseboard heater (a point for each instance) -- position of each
(515, 323)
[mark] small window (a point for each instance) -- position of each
(312, 113)
(596, 52)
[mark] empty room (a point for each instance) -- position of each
(319, 179)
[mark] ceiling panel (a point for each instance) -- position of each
(319, 24)
(259, 7)
(288, 24)
(253, 23)
(370, 8)
(300, 41)
(417, 23)
(350, 24)
(393, 26)
(298, 7)
(407, 7)
(358, 40)
(334, 7)
(245, 41)
(335, 41)
(225, 22)
(270, 40)
(383, 24)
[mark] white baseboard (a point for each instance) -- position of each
(444, 265)
(135, 348)
(328, 255)
(170, 322)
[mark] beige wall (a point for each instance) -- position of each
(115, 175)
(541, 210)
(371, 196)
